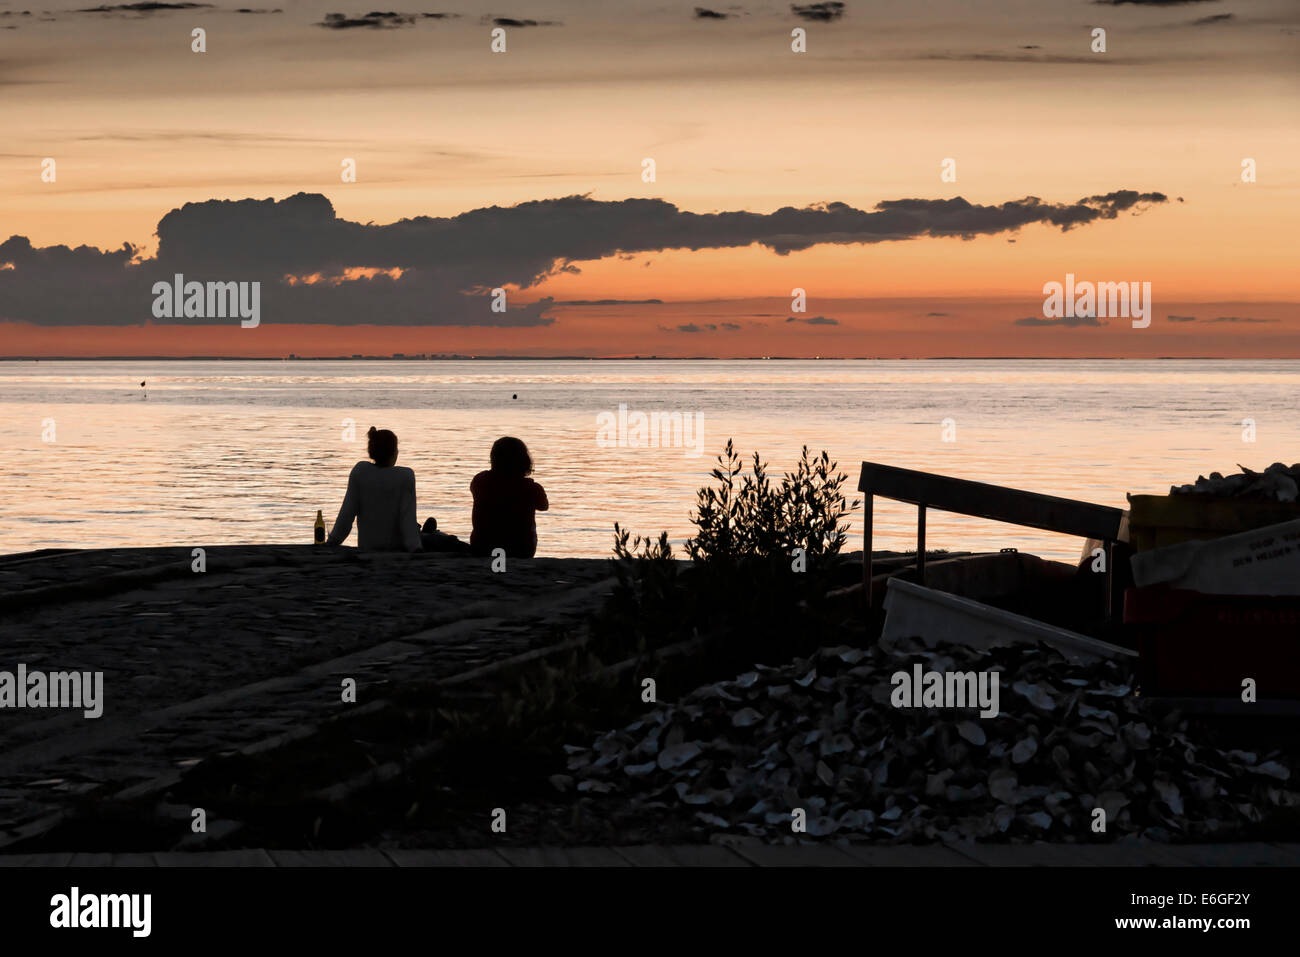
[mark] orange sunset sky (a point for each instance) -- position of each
(138, 125)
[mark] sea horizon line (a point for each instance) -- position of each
(578, 358)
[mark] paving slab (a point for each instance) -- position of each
(907, 855)
(252, 857)
(133, 860)
(562, 857)
(1118, 854)
(1238, 855)
(795, 855)
(451, 857)
(36, 860)
(330, 858)
(686, 855)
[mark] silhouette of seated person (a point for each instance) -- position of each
(506, 501)
(380, 499)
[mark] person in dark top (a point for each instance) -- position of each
(506, 501)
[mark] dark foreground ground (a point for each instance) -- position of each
(254, 648)
(223, 690)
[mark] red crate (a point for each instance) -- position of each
(1196, 644)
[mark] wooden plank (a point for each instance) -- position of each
(906, 855)
(682, 855)
(250, 857)
(995, 502)
(134, 860)
(36, 860)
(1291, 850)
(796, 855)
(1243, 854)
(1012, 855)
(365, 857)
(1124, 854)
(448, 857)
(562, 857)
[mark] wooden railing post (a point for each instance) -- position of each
(996, 503)
(866, 549)
(920, 544)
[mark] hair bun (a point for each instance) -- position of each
(372, 431)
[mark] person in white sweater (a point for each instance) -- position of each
(381, 500)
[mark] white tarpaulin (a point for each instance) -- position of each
(1263, 561)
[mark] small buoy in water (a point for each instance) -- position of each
(515, 396)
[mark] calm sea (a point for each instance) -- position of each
(235, 452)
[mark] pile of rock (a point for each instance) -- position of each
(1277, 483)
(822, 736)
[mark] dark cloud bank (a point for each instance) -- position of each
(449, 264)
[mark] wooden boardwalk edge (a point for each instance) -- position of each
(710, 855)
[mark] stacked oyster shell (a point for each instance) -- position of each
(821, 735)
(1277, 483)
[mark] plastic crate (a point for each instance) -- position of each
(1194, 644)
(1155, 521)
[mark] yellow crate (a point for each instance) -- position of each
(1159, 520)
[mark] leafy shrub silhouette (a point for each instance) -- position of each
(741, 578)
(755, 519)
